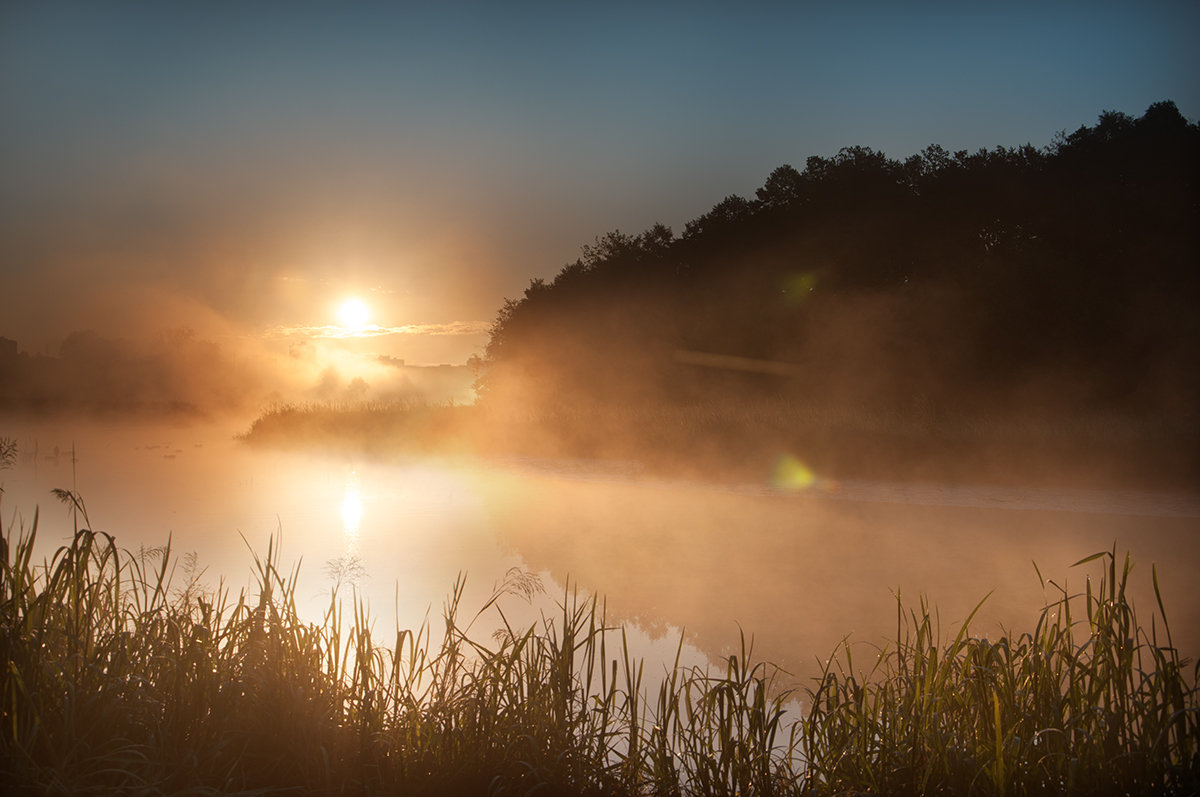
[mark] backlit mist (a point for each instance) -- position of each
(367, 348)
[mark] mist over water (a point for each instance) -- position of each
(198, 484)
(396, 535)
(784, 325)
(798, 569)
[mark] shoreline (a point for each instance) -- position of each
(719, 447)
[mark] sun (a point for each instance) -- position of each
(354, 314)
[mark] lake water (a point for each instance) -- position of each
(798, 570)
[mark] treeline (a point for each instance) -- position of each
(1064, 276)
(175, 373)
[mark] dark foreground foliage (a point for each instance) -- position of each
(118, 678)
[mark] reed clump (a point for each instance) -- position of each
(1089, 702)
(124, 674)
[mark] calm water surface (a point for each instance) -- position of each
(796, 570)
(400, 534)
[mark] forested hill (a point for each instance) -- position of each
(1066, 275)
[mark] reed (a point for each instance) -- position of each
(1086, 703)
(123, 673)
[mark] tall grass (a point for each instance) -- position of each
(1086, 703)
(122, 673)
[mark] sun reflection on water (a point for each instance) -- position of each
(352, 511)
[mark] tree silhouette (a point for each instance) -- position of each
(962, 276)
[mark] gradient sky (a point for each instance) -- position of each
(239, 167)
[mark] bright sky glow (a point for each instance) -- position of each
(444, 154)
(354, 314)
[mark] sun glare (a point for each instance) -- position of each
(352, 509)
(354, 314)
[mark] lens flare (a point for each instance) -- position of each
(792, 474)
(798, 287)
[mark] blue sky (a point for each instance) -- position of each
(254, 160)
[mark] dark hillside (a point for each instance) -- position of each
(1022, 281)
(945, 274)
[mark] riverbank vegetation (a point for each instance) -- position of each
(124, 672)
(1015, 312)
(1057, 279)
(743, 440)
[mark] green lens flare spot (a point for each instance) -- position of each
(792, 474)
